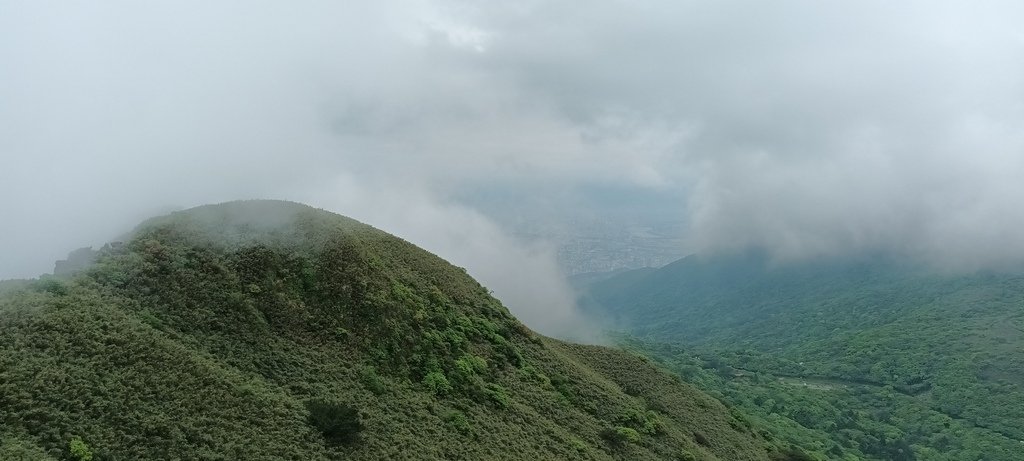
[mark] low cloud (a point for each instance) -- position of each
(523, 274)
(806, 128)
(113, 114)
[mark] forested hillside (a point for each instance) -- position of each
(271, 330)
(872, 355)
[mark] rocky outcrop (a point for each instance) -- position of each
(77, 261)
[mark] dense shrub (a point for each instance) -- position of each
(497, 395)
(14, 449)
(643, 422)
(457, 420)
(340, 424)
(620, 435)
(792, 454)
(685, 455)
(371, 380)
(79, 450)
(437, 383)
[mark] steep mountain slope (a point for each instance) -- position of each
(271, 330)
(936, 358)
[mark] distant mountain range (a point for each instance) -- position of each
(948, 349)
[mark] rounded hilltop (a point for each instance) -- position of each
(274, 330)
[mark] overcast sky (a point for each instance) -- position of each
(804, 127)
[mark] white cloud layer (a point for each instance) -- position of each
(804, 127)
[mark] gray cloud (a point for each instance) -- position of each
(804, 127)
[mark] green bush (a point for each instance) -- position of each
(437, 383)
(620, 435)
(792, 454)
(470, 364)
(371, 380)
(457, 420)
(685, 455)
(52, 286)
(498, 395)
(643, 422)
(79, 450)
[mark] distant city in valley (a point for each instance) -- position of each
(602, 245)
(603, 230)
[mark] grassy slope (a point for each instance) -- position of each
(206, 335)
(937, 341)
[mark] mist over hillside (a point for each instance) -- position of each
(799, 127)
(731, 186)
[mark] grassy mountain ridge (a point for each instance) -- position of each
(271, 330)
(931, 361)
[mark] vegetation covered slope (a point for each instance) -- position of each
(271, 330)
(875, 358)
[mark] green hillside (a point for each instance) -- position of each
(271, 330)
(870, 358)
(11, 285)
